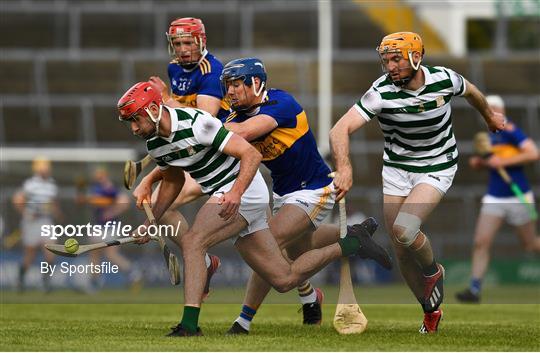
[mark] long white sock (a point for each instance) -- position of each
(307, 293)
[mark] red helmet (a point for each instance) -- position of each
(187, 27)
(138, 97)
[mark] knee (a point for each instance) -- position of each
(481, 243)
(282, 282)
(405, 229)
(191, 242)
(283, 285)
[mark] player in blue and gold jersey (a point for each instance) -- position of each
(274, 122)
(511, 149)
(193, 72)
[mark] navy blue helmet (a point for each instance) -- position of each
(245, 69)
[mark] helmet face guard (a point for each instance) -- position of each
(245, 69)
(404, 44)
(187, 27)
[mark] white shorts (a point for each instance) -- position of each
(31, 231)
(399, 182)
(509, 208)
(317, 204)
(253, 204)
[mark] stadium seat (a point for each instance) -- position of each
(24, 27)
(84, 77)
(497, 74)
(294, 30)
(64, 125)
(17, 77)
(118, 31)
(352, 21)
(111, 131)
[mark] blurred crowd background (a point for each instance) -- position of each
(64, 64)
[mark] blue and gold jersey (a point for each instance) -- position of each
(203, 79)
(506, 144)
(290, 150)
(101, 197)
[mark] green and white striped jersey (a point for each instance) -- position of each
(416, 125)
(196, 145)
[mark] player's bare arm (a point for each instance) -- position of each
(208, 103)
(171, 185)
(250, 159)
(18, 201)
(143, 191)
(253, 128)
(339, 142)
(495, 121)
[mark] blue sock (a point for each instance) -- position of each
(476, 285)
(246, 316)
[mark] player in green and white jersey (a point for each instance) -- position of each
(412, 104)
(226, 167)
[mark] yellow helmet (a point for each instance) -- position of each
(403, 42)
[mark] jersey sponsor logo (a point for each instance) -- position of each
(190, 150)
(302, 202)
(182, 85)
(440, 101)
(434, 177)
(449, 156)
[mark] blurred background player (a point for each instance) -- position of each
(108, 203)
(37, 204)
(412, 104)
(303, 194)
(511, 150)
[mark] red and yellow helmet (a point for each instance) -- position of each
(138, 97)
(405, 43)
(187, 27)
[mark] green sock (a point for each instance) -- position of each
(190, 319)
(349, 245)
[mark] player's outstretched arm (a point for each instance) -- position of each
(495, 121)
(253, 128)
(339, 142)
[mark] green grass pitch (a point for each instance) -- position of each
(107, 325)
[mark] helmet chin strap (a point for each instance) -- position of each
(402, 82)
(155, 120)
(415, 67)
(257, 93)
